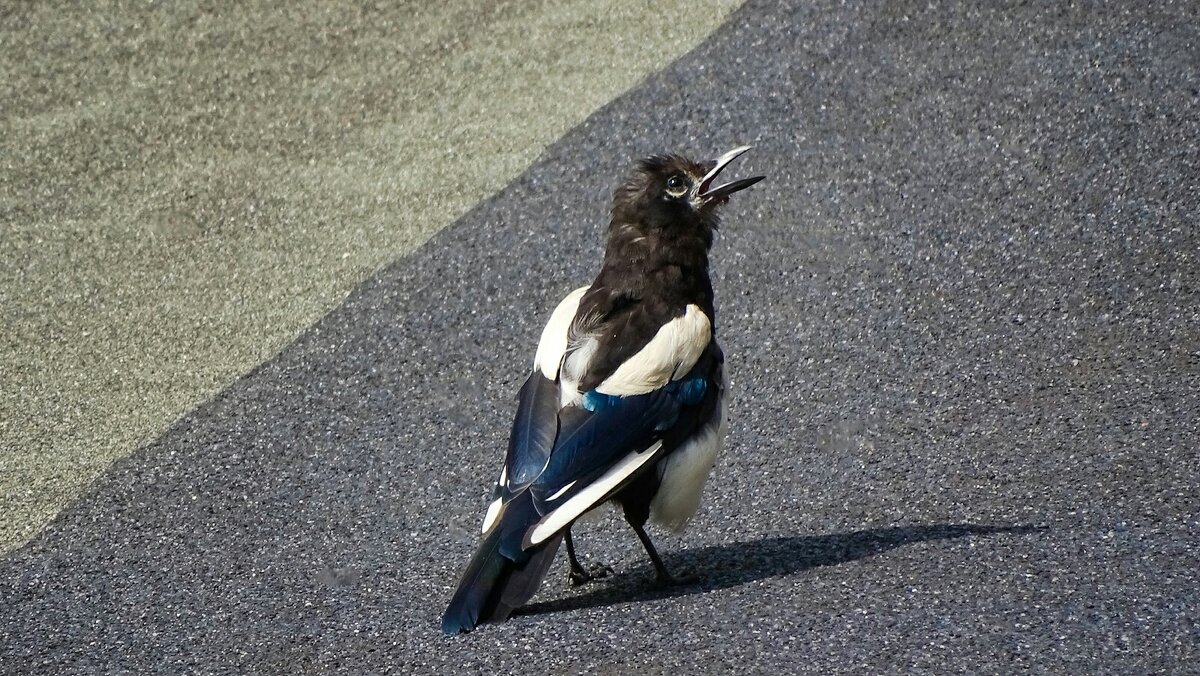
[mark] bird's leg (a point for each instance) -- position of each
(580, 575)
(665, 578)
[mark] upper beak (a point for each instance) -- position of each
(705, 189)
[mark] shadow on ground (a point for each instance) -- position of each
(735, 564)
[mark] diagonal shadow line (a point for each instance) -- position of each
(737, 563)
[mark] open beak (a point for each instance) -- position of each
(705, 190)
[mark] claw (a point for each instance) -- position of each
(594, 571)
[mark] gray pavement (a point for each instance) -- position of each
(184, 188)
(961, 321)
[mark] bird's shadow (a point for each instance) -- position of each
(735, 564)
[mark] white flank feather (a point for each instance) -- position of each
(685, 472)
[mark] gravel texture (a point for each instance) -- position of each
(961, 322)
(184, 187)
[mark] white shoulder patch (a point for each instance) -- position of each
(670, 354)
(554, 337)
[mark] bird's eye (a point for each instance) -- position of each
(676, 186)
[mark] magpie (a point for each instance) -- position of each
(625, 401)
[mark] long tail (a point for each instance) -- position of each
(501, 576)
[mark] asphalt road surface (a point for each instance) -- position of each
(961, 321)
(185, 187)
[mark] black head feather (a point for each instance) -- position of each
(673, 196)
(663, 218)
(660, 195)
(656, 259)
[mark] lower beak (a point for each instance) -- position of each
(705, 189)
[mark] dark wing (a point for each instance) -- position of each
(600, 451)
(591, 442)
(529, 443)
(533, 432)
(571, 458)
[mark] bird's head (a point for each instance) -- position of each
(669, 192)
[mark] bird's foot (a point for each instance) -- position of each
(594, 571)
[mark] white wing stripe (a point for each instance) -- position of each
(587, 498)
(558, 493)
(493, 513)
